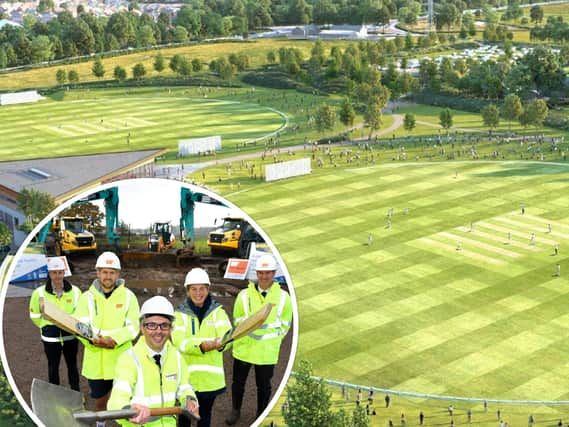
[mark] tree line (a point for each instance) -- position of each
(69, 36)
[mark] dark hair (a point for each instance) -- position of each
(147, 315)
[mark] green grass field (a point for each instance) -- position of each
(411, 312)
(97, 121)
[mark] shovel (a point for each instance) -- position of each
(58, 406)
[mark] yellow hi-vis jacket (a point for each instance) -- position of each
(206, 369)
(261, 347)
(67, 303)
(139, 380)
(115, 317)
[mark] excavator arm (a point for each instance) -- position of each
(188, 200)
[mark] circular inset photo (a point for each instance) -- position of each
(152, 302)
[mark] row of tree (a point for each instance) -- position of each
(555, 30)
(68, 36)
(540, 71)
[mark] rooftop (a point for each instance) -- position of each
(62, 175)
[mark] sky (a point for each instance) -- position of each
(145, 201)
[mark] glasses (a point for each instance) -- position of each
(151, 326)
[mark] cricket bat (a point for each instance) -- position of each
(248, 325)
(65, 321)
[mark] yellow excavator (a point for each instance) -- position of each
(161, 237)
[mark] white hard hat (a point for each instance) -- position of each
(266, 263)
(197, 276)
(157, 305)
(108, 260)
(55, 264)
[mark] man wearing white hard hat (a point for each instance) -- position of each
(112, 311)
(261, 348)
(200, 324)
(56, 341)
(153, 374)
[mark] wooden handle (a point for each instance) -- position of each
(90, 417)
(157, 412)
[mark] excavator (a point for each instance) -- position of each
(161, 238)
(53, 238)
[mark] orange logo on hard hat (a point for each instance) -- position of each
(109, 261)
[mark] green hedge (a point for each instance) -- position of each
(338, 85)
(271, 79)
(207, 80)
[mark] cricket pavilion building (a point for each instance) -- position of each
(65, 177)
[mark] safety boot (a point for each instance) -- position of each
(233, 417)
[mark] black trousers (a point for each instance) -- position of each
(53, 351)
(263, 376)
(206, 401)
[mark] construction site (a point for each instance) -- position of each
(154, 262)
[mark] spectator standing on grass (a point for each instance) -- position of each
(370, 397)
(450, 410)
(359, 397)
(555, 249)
(558, 270)
(387, 400)
(421, 418)
(530, 420)
(403, 420)
(469, 416)
(499, 414)
(485, 406)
